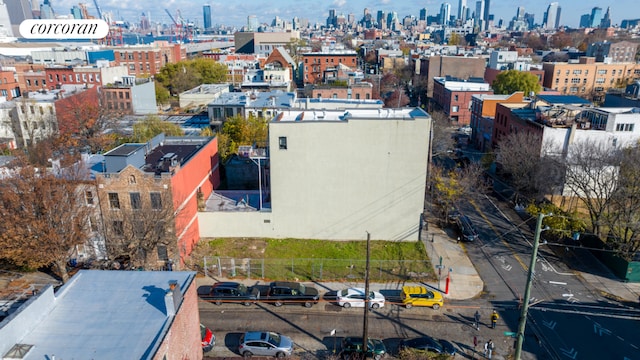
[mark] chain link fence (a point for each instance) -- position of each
(317, 269)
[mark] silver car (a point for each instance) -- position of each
(265, 343)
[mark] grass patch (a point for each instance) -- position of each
(291, 259)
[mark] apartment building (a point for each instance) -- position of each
(428, 68)
(153, 191)
(130, 96)
(57, 76)
(9, 87)
(588, 78)
(454, 96)
(318, 66)
(148, 59)
(483, 113)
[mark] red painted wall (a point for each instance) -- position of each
(200, 172)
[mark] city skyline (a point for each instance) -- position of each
(236, 13)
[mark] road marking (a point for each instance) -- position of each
(557, 283)
(571, 354)
(567, 295)
(598, 329)
(507, 267)
(550, 324)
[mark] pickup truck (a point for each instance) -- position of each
(279, 293)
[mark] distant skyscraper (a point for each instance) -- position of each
(392, 18)
(19, 10)
(76, 12)
(206, 12)
(552, 16)
(585, 21)
(445, 13)
(520, 13)
(462, 9)
(252, 23)
(423, 14)
(606, 20)
(478, 16)
(46, 11)
(596, 17)
(487, 12)
(332, 19)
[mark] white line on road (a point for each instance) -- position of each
(557, 283)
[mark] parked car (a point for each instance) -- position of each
(421, 296)
(352, 348)
(354, 297)
(265, 343)
(208, 339)
(427, 344)
(231, 292)
(287, 292)
(466, 229)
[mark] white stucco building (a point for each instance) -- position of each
(337, 175)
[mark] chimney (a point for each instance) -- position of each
(172, 298)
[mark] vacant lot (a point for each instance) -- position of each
(313, 259)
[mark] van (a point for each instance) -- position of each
(466, 228)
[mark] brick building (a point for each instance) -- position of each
(163, 181)
(9, 87)
(130, 96)
(358, 91)
(316, 65)
(588, 78)
(57, 76)
(454, 96)
(618, 52)
(427, 68)
(483, 112)
(148, 59)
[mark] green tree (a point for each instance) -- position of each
(152, 126)
(510, 81)
(238, 131)
(187, 74)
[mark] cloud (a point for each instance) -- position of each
(339, 3)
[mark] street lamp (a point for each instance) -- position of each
(527, 291)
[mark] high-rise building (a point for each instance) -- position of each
(332, 18)
(596, 17)
(585, 21)
(19, 10)
(606, 20)
(423, 14)
(478, 15)
(445, 13)
(206, 12)
(462, 10)
(520, 13)
(76, 12)
(46, 11)
(487, 12)
(552, 16)
(252, 23)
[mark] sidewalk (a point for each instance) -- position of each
(465, 283)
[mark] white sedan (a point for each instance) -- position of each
(354, 297)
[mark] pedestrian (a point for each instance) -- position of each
(494, 319)
(488, 349)
(476, 317)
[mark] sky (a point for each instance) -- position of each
(235, 13)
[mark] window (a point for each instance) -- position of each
(136, 204)
(624, 127)
(575, 81)
(114, 201)
(600, 81)
(455, 97)
(573, 89)
(602, 72)
(118, 227)
(93, 223)
(577, 72)
(162, 253)
(282, 142)
(454, 109)
(88, 196)
(156, 200)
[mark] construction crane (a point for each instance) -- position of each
(98, 9)
(178, 26)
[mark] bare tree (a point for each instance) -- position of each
(622, 220)
(592, 177)
(518, 155)
(44, 218)
(142, 230)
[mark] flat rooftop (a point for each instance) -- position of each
(98, 314)
(351, 114)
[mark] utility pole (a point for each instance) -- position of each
(527, 291)
(365, 329)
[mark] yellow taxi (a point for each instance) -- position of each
(420, 296)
